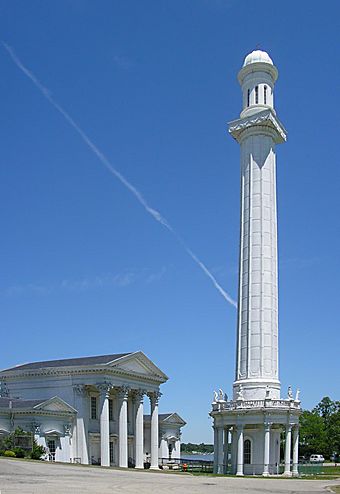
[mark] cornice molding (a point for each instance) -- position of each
(59, 372)
(261, 120)
(30, 411)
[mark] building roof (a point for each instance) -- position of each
(16, 403)
(69, 362)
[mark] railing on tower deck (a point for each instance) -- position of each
(220, 405)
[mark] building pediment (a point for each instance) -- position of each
(55, 404)
(138, 364)
(53, 432)
(174, 418)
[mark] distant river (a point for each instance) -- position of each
(207, 457)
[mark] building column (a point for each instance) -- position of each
(139, 429)
(226, 450)
(215, 468)
(123, 393)
(220, 434)
(287, 471)
(295, 471)
(80, 439)
(154, 398)
(104, 390)
(266, 455)
(67, 444)
(239, 471)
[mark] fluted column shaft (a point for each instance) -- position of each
(215, 467)
(104, 425)
(220, 434)
(257, 335)
(225, 450)
(154, 398)
(122, 426)
(287, 471)
(266, 450)
(80, 440)
(240, 436)
(295, 471)
(139, 432)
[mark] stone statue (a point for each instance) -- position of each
(290, 393)
(221, 395)
(297, 395)
(215, 397)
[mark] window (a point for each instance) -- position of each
(247, 452)
(256, 95)
(265, 94)
(111, 451)
(248, 97)
(110, 409)
(93, 407)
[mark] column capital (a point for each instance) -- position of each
(154, 397)
(267, 426)
(68, 429)
(240, 427)
(123, 391)
(104, 388)
(80, 389)
(138, 395)
(36, 427)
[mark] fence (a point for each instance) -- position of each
(187, 464)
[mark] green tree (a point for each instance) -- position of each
(334, 432)
(313, 437)
(326, 408)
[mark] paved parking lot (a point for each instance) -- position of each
(43, 478)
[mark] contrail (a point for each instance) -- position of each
(104, 160)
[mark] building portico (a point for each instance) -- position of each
(108, 395)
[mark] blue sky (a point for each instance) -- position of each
(85, 269)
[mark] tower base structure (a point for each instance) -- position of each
(247, 436)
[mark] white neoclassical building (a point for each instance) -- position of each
(91, 409)
(247, 428)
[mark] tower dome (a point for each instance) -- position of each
(257, 56)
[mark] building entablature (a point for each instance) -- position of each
(260, 122)
(134, 367)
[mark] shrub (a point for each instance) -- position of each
(37, 451)
(19, 452)
(2, 452)
(9, 453)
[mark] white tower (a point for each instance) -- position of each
(258, 131)
(250, 424)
